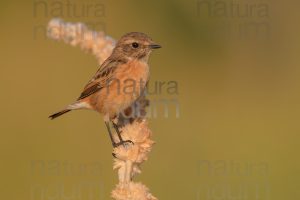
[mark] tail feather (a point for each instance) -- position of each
(55, 115)
(74, 106)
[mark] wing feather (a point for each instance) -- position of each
(101, 78)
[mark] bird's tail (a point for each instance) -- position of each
(58, 114)
(73, 106)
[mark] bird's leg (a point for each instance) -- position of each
(110, 134)
(118, 131)
(122, 142)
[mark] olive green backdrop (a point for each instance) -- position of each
(237, 135)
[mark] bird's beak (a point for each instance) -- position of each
(154, 46)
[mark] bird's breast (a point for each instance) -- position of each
(129, 81)
(132, 76)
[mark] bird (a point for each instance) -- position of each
(118, 83)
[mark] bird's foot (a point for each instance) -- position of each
(125, 143)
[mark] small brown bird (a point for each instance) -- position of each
(107, 91)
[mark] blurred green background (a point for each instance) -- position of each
(237, 136)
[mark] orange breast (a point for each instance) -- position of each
(129, 82)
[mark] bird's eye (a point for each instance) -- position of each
(135, 45)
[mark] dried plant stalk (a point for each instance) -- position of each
(77, 34)
(127, 159)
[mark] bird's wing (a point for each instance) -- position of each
(101, 78)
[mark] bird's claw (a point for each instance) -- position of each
(124, 143)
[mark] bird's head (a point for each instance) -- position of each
(135, 45)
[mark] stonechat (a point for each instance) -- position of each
(107, 91)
